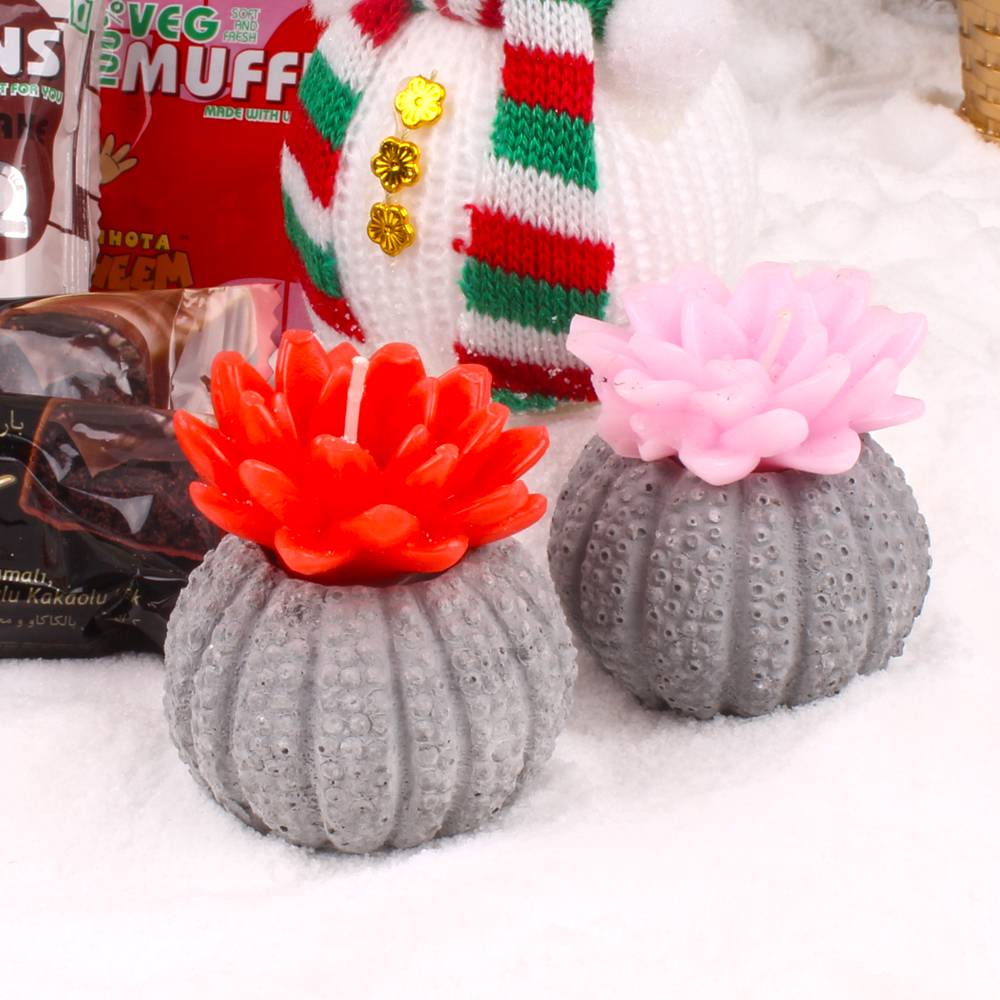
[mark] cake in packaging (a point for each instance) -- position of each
(97, 531)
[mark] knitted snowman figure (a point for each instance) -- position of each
(467, 175)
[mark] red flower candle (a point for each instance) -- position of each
(432, 471)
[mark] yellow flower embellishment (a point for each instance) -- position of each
(396, 164)
(390, 228)
(421, 103)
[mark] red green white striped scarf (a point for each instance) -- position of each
(537, 254)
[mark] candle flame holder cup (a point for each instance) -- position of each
(342, 669)
(734, 540)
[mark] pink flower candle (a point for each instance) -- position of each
(780, 373)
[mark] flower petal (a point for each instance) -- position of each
(342, 476)
(814, 394)
(654, 310)
(244, 518)
(265, 438)
(515, 451)
(658, 438)
(379, 528)
(424, 555)
(213, 456)
(869, 395)
(487, 511)
(474, 439)
(666, 361)
(902, 347)
(635, 387)
(392, 371)
(899, 410)
(461, 392)
(807, 360)
(329, 412)
(425, 487)
(867, 334)
(614, 425)
(231, 376)
(767, 434)
(413, 451)
(728, 406)
(719, 374)
(279, 495)
(717, 466)
(824, 454)
(763, 291)
(840, 300)
(300, 373)
(696, 280)
(708, 331)
(531, 512)
(308, 554)
(341, 355)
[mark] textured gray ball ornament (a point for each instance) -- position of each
(774, 590)
(358, 718)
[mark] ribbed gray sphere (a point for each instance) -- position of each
(358, 718)
(774, 590)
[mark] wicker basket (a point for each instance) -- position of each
(979, 41)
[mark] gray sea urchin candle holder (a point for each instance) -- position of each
(774, 590)
(360, 717)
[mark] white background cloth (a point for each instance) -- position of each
(846, 850)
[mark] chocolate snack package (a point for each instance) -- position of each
(97, 530)
(49, 173)
(195, 101)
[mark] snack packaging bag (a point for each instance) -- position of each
(194, 106)
(48, 145)
(97, 531)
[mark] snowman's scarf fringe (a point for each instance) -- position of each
(537, 253)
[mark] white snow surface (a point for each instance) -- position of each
(847, 849)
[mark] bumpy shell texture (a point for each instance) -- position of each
(782, 373)
(775, 590)
(357, 718)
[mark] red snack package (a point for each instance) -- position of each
(194, 104)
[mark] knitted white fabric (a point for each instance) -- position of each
(672, 186)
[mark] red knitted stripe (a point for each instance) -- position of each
(334, 312)
(549, 80)
(489, 15)
(380, 19)
(442, 5)
(518, 247)
(318, 161)
(519, 376)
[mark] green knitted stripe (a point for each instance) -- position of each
(523, 402)
(320, 265)
(550, 141)
(599, 10)
(528, 301)
(328, 101)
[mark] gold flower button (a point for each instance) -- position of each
(421, 103)
(396, 164)
(390, 228)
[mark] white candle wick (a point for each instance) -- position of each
(359, 370)
(777, 339)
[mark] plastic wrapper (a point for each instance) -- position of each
(97, 531)
(49, 142)
(195, 102)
